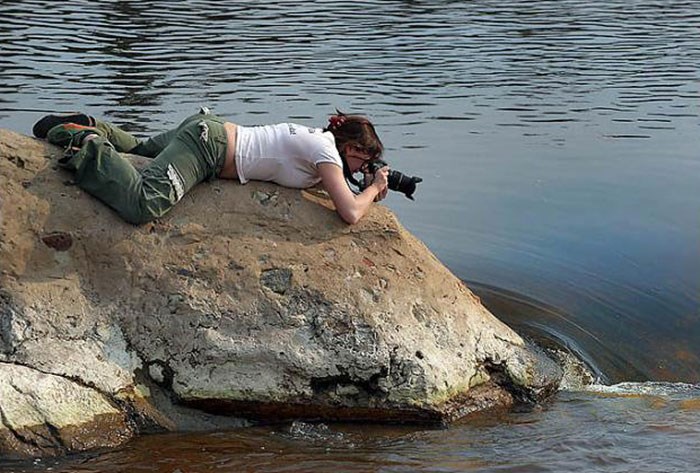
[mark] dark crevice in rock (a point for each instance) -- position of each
(276, 412)
(55, 436)
(485, 397)
(498, 372)
(325, 384)
(140, 416)
(8, 313)
(159, 372)
(17, 161)
(505, 340)
(344, 387)
(523, 395)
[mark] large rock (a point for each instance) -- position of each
(253, 301)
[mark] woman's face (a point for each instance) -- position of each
(356, 157)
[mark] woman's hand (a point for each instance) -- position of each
(381, 181)
(351, 207)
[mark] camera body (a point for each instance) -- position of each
(398, 181)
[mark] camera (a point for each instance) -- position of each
(398, 181)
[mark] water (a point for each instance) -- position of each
(559, 145)
(650, 427)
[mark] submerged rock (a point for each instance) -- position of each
(261, 308)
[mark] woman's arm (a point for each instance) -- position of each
(351, 207)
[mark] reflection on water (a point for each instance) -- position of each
(558, 141)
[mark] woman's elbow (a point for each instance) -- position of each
(350, 216)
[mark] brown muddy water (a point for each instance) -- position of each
(559, 145)
(651, 427)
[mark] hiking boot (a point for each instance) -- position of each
(42, 127)
(70, 135)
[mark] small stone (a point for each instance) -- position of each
(264, 198)
(175, 300)
(59, 241)
(278, 280)
(347, 390)
(233, 265)
(155, 371)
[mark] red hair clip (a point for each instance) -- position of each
(336, 121)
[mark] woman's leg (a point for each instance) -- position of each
(137, 197)
(153, 146)
(123, 141)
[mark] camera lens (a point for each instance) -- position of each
(400, 182)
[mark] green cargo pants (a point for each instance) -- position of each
(193, 152)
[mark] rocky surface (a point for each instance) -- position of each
(251, 301)
(42, 412)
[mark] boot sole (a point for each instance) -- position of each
(42, 127)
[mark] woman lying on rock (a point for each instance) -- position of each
(205, 147)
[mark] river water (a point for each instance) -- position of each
(559, 145)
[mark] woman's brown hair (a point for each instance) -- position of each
(355, 130)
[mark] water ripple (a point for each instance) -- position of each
(526, 51)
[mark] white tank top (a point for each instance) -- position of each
(285, 153)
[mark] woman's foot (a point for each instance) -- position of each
(71, 135)
(46, 123)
